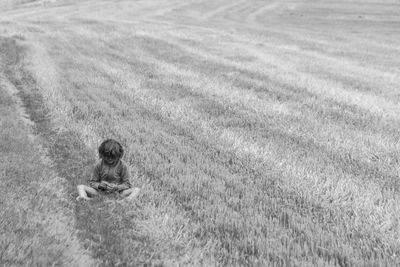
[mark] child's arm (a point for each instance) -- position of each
(125, 177)
(96, 178)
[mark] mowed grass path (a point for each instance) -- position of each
(262, 132)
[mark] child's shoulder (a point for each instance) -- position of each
(98, 163)
(123, 163)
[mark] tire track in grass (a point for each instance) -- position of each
(40, 227)
(216, 13)
(100, 224)
(253, 16)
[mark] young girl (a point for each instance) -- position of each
(110, 174)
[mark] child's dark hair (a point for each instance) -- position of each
(111, 149)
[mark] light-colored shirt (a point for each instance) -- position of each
(118, 174)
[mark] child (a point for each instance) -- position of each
(110, 174)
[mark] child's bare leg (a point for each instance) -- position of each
(85, 192)
(130, 193)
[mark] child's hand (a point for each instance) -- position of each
(108, 187)
(104, 186)
(112, 187)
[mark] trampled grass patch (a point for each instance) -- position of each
(35, 224)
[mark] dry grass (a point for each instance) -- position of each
(37, 228)
(261, 132)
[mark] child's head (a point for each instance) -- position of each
(111, 151)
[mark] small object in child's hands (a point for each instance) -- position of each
(82, 198)
(107, 187)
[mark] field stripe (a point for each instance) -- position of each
(43, 200)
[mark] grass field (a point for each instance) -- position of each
(261, 132)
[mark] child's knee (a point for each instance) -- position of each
(136, 190)
(132, 192)
(127, 192)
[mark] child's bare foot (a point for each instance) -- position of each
(79, 198)
(134, 194)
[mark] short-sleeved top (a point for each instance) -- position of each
(118, 174)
